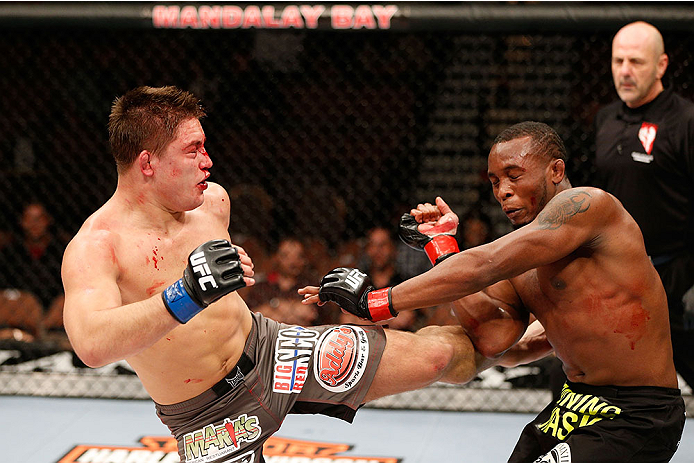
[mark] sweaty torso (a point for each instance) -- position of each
(192, 357)
(604, 311)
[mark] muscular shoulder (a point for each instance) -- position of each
(576, 204)
(93, 246)
(217, 201)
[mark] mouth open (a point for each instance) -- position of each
(203, 184)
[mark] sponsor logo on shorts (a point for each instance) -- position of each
(341, 357)
(215, 441)
(561, 453)
(236, 380)
(293, 352)
(574, 410)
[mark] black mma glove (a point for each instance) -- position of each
(214, 269)
(352, 290)
(437, 247)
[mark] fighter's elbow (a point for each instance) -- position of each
(89, 353)
(90, 358)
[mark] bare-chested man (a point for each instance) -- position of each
(222, 377)
(578, 264)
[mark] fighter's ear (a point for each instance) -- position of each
(558, 170)
(144, 160)
(663, 62)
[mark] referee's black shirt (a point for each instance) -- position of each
(645, 157)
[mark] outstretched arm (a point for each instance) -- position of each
(573, 218)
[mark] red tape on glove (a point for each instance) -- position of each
(440, 247)
(379, 304)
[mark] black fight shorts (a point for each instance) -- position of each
(604, 424)
(284, 369)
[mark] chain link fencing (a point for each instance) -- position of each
(316, 133)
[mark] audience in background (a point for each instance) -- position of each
(275, 295)
(31, 262)
(476, 229)
(378, 260)
(295, 263)
(21, 316)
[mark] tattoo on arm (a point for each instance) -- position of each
(561, 209)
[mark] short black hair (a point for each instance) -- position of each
(547, 141)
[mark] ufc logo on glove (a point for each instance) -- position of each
(355, 278)
(199, 264)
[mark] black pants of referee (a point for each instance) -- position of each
(677, 275)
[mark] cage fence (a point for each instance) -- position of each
(315, 133)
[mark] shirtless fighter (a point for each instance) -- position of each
(577, 263)
(151, 278)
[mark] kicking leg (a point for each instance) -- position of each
(415, 360)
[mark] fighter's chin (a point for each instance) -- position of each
(518, 220)
(195, 203)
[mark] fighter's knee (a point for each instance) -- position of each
(455, 353)
(449, 353)
(440, 356)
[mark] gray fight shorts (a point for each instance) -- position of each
(284, 369)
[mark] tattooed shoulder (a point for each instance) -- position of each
(562, 207)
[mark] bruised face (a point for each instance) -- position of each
(182, 169)
(521, 180)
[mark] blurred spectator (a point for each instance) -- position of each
(275, 296)
(257, 251)
(410, 262)
(32, 261)
(53, 328)
(349, 252)
(319, 256)
(21, 315)
(475, 229)
(378, 259)
(379, 262)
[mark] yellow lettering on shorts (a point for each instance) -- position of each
(573, 410)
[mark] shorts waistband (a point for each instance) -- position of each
(231, 381)
(622, 391)
(235, 376)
